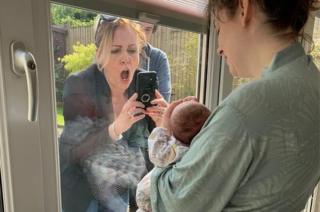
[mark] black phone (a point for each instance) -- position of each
(146, 85)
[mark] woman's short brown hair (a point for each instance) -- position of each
(281, 14)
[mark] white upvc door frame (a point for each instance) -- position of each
(28, 150)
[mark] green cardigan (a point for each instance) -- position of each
(259, 150)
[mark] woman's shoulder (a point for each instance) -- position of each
(156, 53)
(85, 74)
(253, 101)
(80, 82)
(262, 101)
(246, 92)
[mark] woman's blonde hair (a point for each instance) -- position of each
(104, 36)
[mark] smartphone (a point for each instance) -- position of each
(146, 85)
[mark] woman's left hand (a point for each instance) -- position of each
(156, 112)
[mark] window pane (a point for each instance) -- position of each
(96, 172)
(316, 39)
(237, 81)
(181, 48)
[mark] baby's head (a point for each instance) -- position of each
(187, 119)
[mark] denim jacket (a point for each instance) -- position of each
(156, 60)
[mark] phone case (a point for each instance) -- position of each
(146, 85)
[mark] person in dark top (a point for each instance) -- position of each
(103, 147)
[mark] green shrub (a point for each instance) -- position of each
(316, 54)
(60, 119)
(184, 68)
(81, 57)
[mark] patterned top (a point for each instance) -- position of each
(258, 151)
(163, 150)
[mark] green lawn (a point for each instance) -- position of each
(60, 120)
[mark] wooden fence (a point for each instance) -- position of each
(180, 46)
(83, 35)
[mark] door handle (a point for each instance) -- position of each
(24, 64)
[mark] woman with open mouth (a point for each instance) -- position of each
(103, 148)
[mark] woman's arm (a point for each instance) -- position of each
(85, 130)
(83, 133)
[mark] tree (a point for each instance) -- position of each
(184, 67)
(81, 57)
(63, 15)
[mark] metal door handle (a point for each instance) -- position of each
(23, 63)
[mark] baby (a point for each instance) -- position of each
(186, 121)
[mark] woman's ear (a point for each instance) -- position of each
(245, 7)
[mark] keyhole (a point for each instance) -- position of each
(31, 65)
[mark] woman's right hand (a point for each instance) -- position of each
(132, 111)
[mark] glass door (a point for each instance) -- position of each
(91, 183)
(28, 149)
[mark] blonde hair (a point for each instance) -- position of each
(104, 37)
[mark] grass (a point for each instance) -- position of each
(60, 120)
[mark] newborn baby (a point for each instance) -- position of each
(186, 121)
